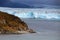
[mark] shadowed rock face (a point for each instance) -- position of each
(12, 24)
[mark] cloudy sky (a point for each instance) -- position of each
(35, 3)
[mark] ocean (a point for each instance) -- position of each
(45, 30)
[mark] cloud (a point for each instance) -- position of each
(6, 3)
(37, 3)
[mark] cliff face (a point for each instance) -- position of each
(12, 24)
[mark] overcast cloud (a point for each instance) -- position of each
(39, 3)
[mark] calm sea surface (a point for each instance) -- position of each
(46, 30)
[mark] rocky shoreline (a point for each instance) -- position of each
(10, 24)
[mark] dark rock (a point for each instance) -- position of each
(12, 24)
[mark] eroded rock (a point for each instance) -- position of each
(12, 24)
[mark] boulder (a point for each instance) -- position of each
(12, 24)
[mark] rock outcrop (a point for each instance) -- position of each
(12, 24)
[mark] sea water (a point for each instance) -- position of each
(45, 30)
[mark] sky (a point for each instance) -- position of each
(31, 3)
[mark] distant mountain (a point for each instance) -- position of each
(7, 3)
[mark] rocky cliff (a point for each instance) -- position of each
(12, 24)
